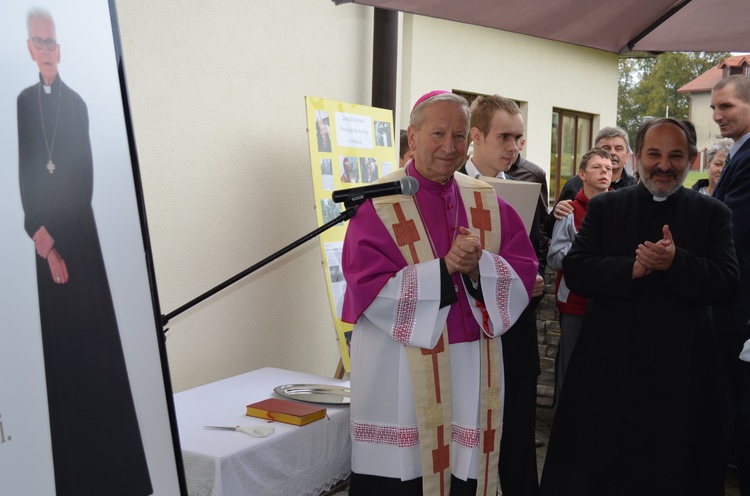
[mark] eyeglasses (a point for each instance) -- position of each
(40, 43)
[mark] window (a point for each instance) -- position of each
(470, 97)
(571, 138)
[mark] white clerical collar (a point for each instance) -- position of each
(471, 170)
(660, 198)
(47, 89)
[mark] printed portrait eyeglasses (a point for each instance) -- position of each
(40, 43)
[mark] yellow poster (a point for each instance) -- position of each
(350, 145)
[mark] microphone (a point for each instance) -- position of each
(405, 186)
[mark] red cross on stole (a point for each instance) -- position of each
(441, 454)
(480, 217)
(441, 457)
(434, 352)
(406, 232)
(430, 369)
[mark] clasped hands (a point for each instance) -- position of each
(44, 244)
(650, 256)
(464, 255)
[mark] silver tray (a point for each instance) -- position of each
(316, 393)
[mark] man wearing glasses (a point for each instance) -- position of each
(95, 437)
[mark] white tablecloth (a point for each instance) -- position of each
(292, 461)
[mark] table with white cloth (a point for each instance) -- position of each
(294, 460)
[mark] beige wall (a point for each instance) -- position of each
(217, 96)
(545, 74)
(701, 116)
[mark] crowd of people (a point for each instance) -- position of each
(653, 292)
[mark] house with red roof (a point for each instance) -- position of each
(699, 90)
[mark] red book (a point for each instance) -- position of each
(289, 412)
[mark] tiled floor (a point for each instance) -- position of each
(544, 425)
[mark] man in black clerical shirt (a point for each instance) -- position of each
(95, 436)
(649, 370)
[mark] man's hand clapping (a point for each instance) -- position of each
(651, 256)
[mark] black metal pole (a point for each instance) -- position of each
(347, 214)
(384, 59)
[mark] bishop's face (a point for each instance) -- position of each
(42, 33)
(440, 142)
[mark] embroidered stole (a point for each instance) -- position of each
(430, 369)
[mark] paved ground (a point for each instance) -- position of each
(544, 425)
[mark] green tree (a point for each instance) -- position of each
(648, 86)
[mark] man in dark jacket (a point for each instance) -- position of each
(496, 131)
(645, 359)
(730, 101)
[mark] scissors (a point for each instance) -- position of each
(258, 431)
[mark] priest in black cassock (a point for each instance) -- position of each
(639, 414)
(96, 440)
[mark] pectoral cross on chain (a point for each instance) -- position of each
(50, 167)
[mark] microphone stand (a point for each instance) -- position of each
(350, 209)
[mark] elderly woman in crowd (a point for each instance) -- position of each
(715, 157)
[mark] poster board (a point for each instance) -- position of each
(86, 34)
(521, 195)
(350, 145)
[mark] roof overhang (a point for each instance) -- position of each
(617, 27)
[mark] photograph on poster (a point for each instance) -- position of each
(338, 283)
(349, 170)
(326, 173)
(322, 130)
(383, 133)
(89, 410)
(326, 167)
(368, 167)
(330, 210)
